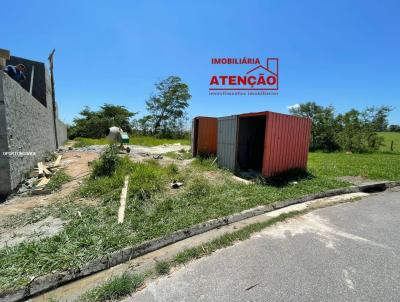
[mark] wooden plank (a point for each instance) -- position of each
(44, 181)
(122, 201)
(46, 171)
(245, 181)
(41, 192)
(40, 168)
(57, 162)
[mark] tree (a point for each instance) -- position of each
(394, 128)
(357, 131)
(94, 124)
(378, 117)
(144, 125)
(354, 130)
(323, 125)
(167, 106)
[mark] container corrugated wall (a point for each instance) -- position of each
(227, 142)
(286, 143)
(204, 136)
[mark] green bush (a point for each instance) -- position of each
(354, 130)
(107, 163)
(94, 124)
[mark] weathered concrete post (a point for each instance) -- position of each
(4, 55)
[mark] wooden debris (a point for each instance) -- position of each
(213, 162)
(44, 181)
(245, 181)
(57, 162)
(46, 171)
(124, 193)
(41, 192)
(40, 168)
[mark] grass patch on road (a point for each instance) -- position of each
(163, 267)
(116, 287)
(153, 209)
(148, 141)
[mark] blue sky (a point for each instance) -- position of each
(344, 53)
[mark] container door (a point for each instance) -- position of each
(227, 142)
(195, 133)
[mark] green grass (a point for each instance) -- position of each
(57, 180)
(162, 267)
(115, 288)
(154, 210)
(388, 138)
(373, 166)
(149, 141)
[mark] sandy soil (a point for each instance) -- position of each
(74, 163)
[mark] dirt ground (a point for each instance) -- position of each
(142, 153)
(74, 163)
(47, 227)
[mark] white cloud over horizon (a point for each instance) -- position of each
(294, 106)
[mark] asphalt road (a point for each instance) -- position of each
(348, 252)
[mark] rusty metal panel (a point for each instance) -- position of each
(227, 142)
(204, 134)
(194, 138)
(287, 140)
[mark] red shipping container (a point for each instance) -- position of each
(204, 136)
(272, 143)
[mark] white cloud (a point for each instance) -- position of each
(295, 106)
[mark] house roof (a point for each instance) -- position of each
(260, 66)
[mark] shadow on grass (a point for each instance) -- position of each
(286, 178)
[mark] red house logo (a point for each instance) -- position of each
(258, 77)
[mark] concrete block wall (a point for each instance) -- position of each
(4, 164)
(61, 132)
(26, 125)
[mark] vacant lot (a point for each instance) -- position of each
(375, 166)
(148, 141)
(389, 137)
(154, 209)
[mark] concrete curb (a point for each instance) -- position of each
(50, 281)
